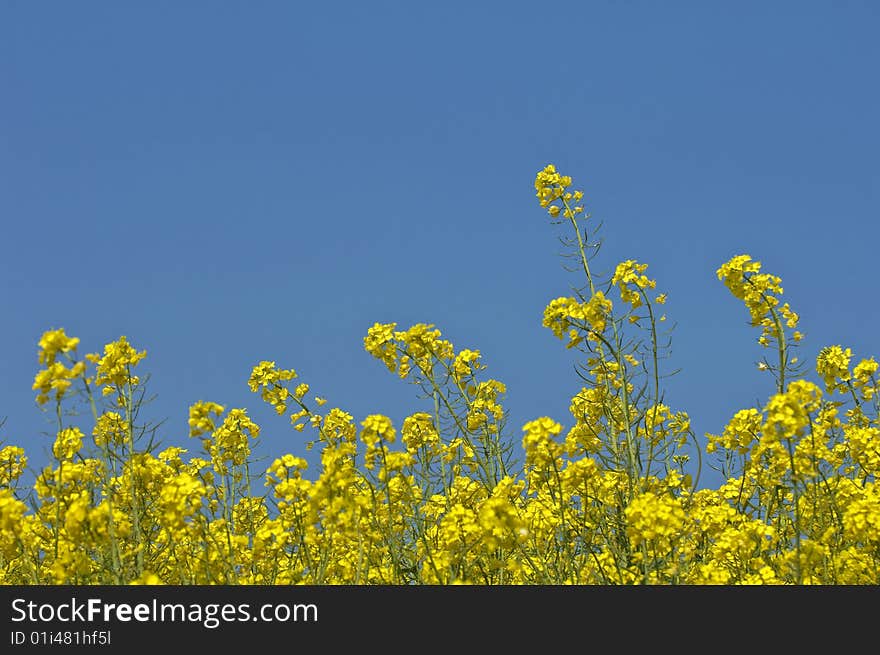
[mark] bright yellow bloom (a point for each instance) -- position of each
(550, 186)
(110, 429)
(740, 433)
(418, 431)
(68, 443)
(269, 380)
(230, 443)
(863, 378)
(379, 342)
(862, 516)
(53, 342)
(12, 521)
(568, 316)
(759, 291)
(654, 518)
(58, 378)
(376, 428)
(539, 442)
(832, 364)
(788, 414)
(114, 367)
(12, 464)
(501, 523)
(200, 417)
(466, 362)
(180, 498)
(631, 273)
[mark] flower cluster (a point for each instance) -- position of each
(760, 292)
(552, 187)
(440, 498)
(56, 376)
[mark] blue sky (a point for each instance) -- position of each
(230, 182)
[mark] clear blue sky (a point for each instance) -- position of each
(230, 182)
